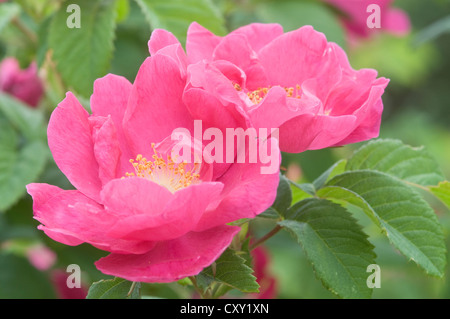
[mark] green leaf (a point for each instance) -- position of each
(269, 213)
(336, 169)
(23, 151)
(19, 166)
(11, 231)
(83, 54)
(433, 31)
(282, 202)
(20, 280)
(345, 197)
(442, 191)
(295, 14)
(116, 288)
(284, 196)
(42, 34)
(176, 15)
(334, 244)
(7, 12)
(409, 222)
(30, 122)
(299, 194)
(123, 10)
(38, 10)
(305, 187)
(411, 164)
(232, 270)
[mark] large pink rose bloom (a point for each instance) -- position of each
(355, 17)
(25, 85)
(295, 81)
(160, 219)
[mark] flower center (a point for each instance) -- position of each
(166, 172)
(258, 95)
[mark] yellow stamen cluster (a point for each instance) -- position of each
(166, 172)
(258, 95)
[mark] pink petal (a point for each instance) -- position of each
(110, 98)
(155, 107)
(351, 93)
(70, 141)
(217, 78)
(160, 39)
(236, 49)
(171, 260)
(333, 66)
(259, 34)
(369, 115)
(180, 215)
(370, 128)
(106, 148)
(205, 106)
(200, 43)
(247, 193)
(135, 196)
(69, 217)
(396, 21)
(293, 57)
(315, 132)
(276, 108)
(198, 157)
(176, 52)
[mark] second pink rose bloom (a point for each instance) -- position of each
(295, 81)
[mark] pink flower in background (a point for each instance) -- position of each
(161, 220)
(295, 81)
(41, 257)
(59, 280)
(355, 13)
(267, 283)
(25, 85)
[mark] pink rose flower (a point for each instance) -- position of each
(25, 85)
(161, 220)
(392, 20)
(295, 81)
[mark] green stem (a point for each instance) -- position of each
(214, 289)
(196, 287)
(265, 237)
(133, 285)
(25, 30)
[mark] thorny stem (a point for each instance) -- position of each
(25, 30)
(197, 288)
(214, 289)
(275, 230)
(133, 285)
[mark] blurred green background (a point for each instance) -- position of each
(416, 111)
